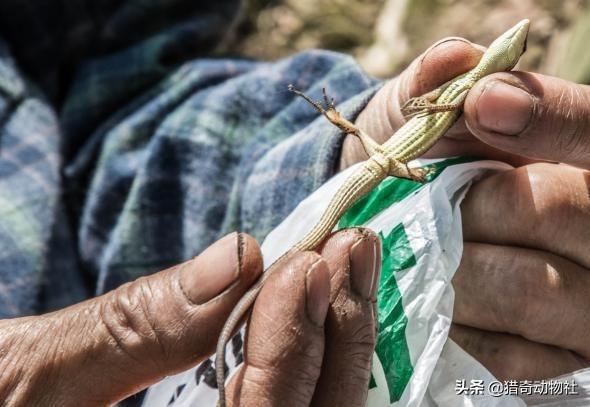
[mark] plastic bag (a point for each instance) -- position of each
(414, 364)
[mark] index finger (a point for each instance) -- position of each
(285, 339)
(354, 256)
(539, 206)
(440, 63)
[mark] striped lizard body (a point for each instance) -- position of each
(434, 113)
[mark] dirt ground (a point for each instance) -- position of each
(385, 35)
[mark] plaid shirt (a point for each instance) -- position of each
(124, 150)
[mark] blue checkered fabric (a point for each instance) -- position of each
(124, 149)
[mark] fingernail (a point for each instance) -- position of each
(213, 271)
(365, 267)
(503, 108)
(448, 41)
(317, 292)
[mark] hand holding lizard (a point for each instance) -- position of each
(521, 290)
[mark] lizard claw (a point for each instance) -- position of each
(401, 170)
(419, 174)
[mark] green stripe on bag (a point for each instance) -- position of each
(392, 347)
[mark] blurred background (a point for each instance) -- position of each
(385, 35)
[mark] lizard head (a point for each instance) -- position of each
(505, 51)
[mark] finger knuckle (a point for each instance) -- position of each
(571, 138)
(298, 387)
(304, 260)
(363, 337)
(358, 348)
(126, 316)
(508, 363)
(541, 288)
(304, 348)
(555, 194)
(290, 363)
(522, 304)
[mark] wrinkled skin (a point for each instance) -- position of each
(311, 322)
(522, 303)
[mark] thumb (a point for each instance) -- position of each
(102, 350)
(382, 116)
(532, 115)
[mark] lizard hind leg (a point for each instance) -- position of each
(419, 174)
(370, 146)
(401, 170)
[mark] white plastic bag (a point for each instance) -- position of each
(415, 364)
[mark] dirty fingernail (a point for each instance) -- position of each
(365, 267)
(503, 108)
(317, 288)
(213, 271)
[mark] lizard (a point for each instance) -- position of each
(430, 116)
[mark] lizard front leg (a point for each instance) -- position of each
(370, 146)
(426, 104)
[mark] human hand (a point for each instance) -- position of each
(382, 116)
(294, 353)
(521, 290)
(311, 335)
(526, 230)
(100, 351)
(522, 285)
(516, 117)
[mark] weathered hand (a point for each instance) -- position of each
(532, 115)
(521, 290)
(443, 61)
(526, 230)
(517, 117)
(102, 350)
(298, 350)
(306, 342)
(521, 304)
